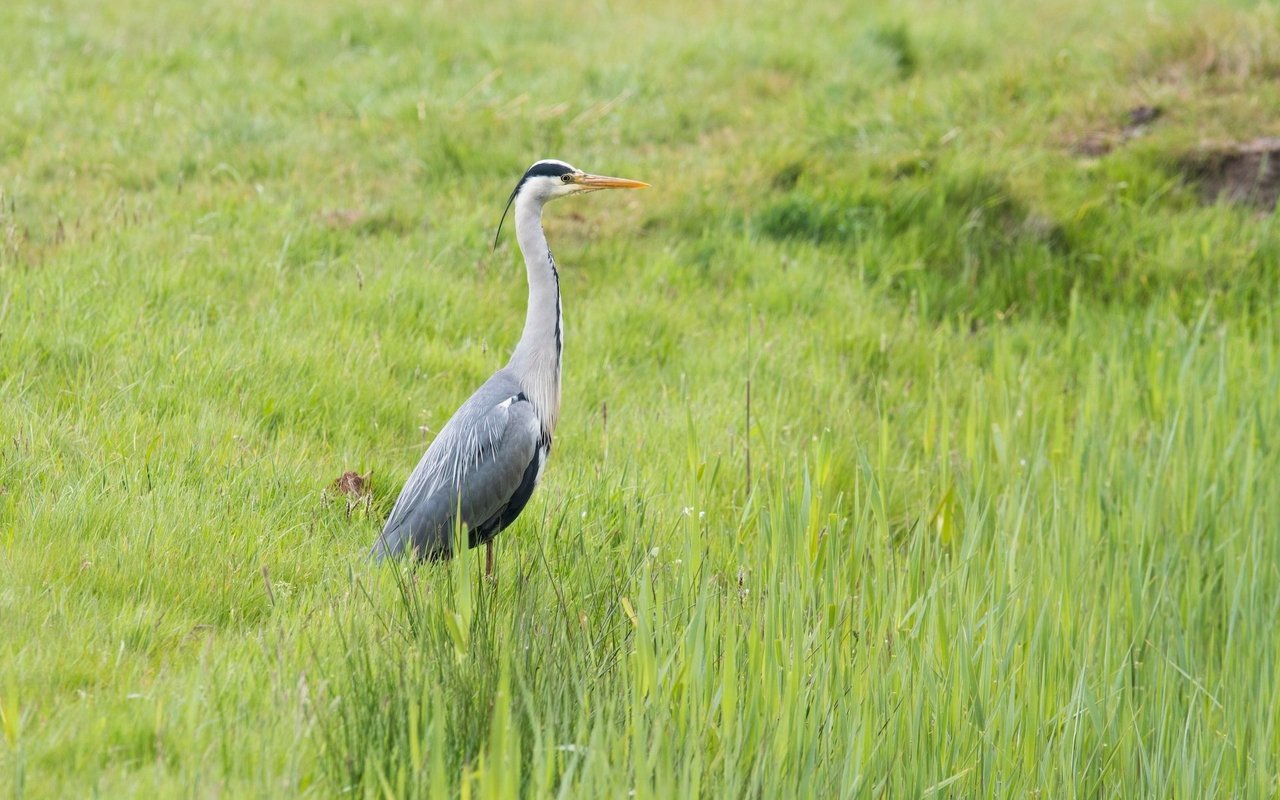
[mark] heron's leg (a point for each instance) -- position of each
(488, 559)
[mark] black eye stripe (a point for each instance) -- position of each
(548, 169)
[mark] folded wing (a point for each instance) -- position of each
(482, 466)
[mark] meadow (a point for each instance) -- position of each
(921, 427)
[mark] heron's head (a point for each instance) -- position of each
(549, 179)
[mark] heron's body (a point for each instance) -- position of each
(483, 466)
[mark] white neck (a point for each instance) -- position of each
(536, 360)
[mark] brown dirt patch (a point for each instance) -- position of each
(1098, 143)
(355, 489)
(1244, 173)
(352, 484)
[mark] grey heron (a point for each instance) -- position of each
(486, 461)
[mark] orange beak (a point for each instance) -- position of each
(603, 182)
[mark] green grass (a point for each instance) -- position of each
(1011, 522)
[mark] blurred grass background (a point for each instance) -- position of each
(1010, 525)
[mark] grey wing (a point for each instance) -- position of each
(485, 457)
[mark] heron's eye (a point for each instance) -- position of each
(566, 178)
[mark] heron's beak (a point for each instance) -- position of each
(603, 182)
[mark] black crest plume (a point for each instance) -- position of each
(548, 169)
